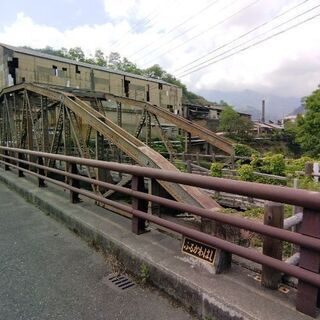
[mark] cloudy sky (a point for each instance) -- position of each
(203, 42)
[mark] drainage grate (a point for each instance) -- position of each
(119, 282)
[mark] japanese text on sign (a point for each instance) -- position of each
(198, 250)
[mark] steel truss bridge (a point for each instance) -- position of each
(62, 120)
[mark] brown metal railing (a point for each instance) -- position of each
(309, 239)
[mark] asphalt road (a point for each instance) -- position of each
(47, 272)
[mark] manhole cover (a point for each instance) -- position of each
(119, 282)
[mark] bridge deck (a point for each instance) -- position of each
(66, 275)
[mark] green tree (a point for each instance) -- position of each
(228, 120)
(155, 72)
(114, 60)
(100, 58)
(77, 54)
(308, 129)
(129, 66)
(236, 126)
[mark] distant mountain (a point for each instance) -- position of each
(276, 106)
(299, 110)
(255, 113)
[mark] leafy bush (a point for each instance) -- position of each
(308, 184)
(293, 165)
(242, 150)
(216, 169)
(246, 172)
(273, 164)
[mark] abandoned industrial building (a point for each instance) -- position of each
(18, 65)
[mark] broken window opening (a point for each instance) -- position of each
(148, 92)
(55, 71)
(126, 88)
(13, 64)
(77, 69)
(160, 86)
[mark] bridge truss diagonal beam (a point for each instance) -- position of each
(133, 147)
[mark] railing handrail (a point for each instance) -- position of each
(308, 239)
(297, 197)
(235, 221)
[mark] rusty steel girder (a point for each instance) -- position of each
(133, 147)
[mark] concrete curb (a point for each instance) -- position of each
(167, 269)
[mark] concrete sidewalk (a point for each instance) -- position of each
(235, 295)
(49, 273)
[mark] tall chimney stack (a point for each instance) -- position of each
(263, 112)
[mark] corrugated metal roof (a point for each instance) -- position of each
(82, 64)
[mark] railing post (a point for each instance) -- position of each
(19, 164)
(296, 210)
(6, 167)
(41, 182)
(189, 168)
(308, 169)
(223, 259)
(74, 196)
(308, 296)
(273, 216)
(198, 158)
(138, 224)
(315, 172)
(232, 161)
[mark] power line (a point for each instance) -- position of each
(206, 64)
(247, 41)
(175, 27)
(207, 30)
(134, 27)
(239, 37)
(252, 45)
(179, 35)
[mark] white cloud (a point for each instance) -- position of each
(286, 65)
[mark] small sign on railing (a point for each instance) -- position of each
(198, 250)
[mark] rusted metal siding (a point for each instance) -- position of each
(44, 70)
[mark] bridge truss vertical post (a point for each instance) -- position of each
(119, 114)
(148, 129)
(29, 127)
(308, 296)
(101, 154)
(66, 137)
(119, 123)
(44, 124)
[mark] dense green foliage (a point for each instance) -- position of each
(269, 164)
(246, 173)
(242, 150)
(308, 131)
(234, 125)
(216, 169)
